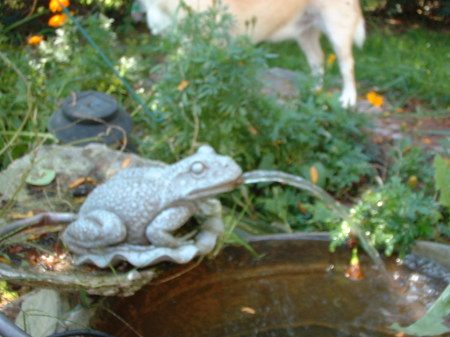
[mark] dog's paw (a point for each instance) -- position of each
(348, 99)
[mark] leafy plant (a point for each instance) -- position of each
(408, 162)
(395, 216)
(442, 179)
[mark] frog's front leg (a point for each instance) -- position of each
(160, 230)
(212, 226)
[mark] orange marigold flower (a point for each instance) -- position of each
(375, 99)
(183, 85)
(57, 20)
(35, 39)
(314, 174)
(55, 5)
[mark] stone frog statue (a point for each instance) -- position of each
(133, 216)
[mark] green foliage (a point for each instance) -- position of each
(6, 293)
(386, 62)
(396, 216)
(207, 85)
(418, 10)
(402, 210)
(76, 65)
(442, 179)
(107, 3)
(20, 19)
(18, 104)
(35, 79)
(210, 91)
(409, 163)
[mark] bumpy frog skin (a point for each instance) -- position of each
(132, 216)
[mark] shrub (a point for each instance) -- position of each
(394, 217)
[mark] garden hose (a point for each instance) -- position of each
(9, 329)
(87, 333)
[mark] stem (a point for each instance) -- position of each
(29, 134)
(23, 21)
(29, 101)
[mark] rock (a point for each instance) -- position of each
(281, 83)
(69, 162)
(40, 313)
(437, 252)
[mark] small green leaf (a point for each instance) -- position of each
(41, 177)
(442, 179)
(233, 238)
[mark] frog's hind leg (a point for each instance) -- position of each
(96, 229)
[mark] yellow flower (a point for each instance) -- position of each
(55, 5)
(57, 20)
(375, 99)
(412, 181)
(330, 59)
(183, 85)
(35, 39)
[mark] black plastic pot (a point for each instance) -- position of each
(90, 114)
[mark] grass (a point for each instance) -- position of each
(400, 65)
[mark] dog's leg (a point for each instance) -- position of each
(343, 50)
(340, 31)
(309, 42)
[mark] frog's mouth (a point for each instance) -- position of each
(213, 190)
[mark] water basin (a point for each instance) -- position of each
(295, 288)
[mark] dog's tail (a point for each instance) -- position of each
(360, 33)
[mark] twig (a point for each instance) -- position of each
(45, 218)
(33, 8)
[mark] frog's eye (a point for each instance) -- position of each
(198, 168)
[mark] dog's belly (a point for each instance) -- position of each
(262, 20)
(292, 29)
(268, 20)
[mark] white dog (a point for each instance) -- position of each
(275, 20)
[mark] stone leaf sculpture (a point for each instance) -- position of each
(133, 216)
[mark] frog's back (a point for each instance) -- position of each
(131, 194)
(138, 173)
